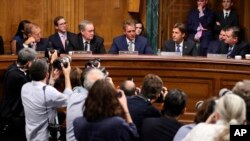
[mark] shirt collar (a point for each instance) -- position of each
(130, 41)
(181, 44)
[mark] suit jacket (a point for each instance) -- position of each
(57, 44)
(240, 48)
(120, 44)
(40, 46)
(232, 20)
(189, 47)
(207, 22)
(214, 46)
(96, 44)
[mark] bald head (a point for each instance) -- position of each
(128, 87)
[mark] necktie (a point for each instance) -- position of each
(230, 49)
(63, 38)
(226, 15)
(178, 48)
(86, 46)
(130, 46)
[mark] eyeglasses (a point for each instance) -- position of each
(63, 23)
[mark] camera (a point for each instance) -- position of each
(54, 127)
(93, 63)
(64, 60)
(51, 51)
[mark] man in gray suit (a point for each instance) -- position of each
(178, 43)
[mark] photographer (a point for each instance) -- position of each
(40, 100)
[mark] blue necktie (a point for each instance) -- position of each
(178, 48)
(230, 49)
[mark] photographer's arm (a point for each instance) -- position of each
(123, 101)
(66, 72)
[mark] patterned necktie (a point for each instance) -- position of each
(178, 48)
(230, 49)
(130, 46)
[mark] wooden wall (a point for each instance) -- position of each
(107, 15)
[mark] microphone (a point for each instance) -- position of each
(224, 91)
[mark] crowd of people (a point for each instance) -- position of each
(205, 32)
(96, 109)
(48, 99)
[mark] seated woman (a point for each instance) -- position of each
(19, 36)
(106, 116)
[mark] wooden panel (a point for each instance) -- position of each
(134, 6)
(199, 77)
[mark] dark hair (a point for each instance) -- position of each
(102, 102)
(151, 86)
(76, 77)
(235, 31)
(20, 29)
(174, 103)
(205, 110)
(25, 55)
(39, 69)
(57, 19)
(182, 27)
(128, 89)
(143, 28)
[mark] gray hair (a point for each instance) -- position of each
(91, 76)
(232, 109)
(25, 55)
(82, 25)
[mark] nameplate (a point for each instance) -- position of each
(128, 52)
(164, 53)
(218, 56)
(80, 52)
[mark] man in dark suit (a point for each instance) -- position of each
(227, 17)
(130, 41)
(200, 23)
(234, 46)
(63, 40)
(87, 40)
(214, 45)
(34, 39)
(179, 43)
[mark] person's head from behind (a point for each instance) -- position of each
(139, 28)
(33, 30)
(25, 57)
(102, 101)
(204, 110)
(232, 35)
(128, 87)
(39, 70)
(76, 77)
(227, 4)
(242, 88)
(179, 32)
(129, 29)
(151, 86)
(175, 103)
(21, 27)
(91, 76)
(231, 109)
(87, 29)
(60, 24)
